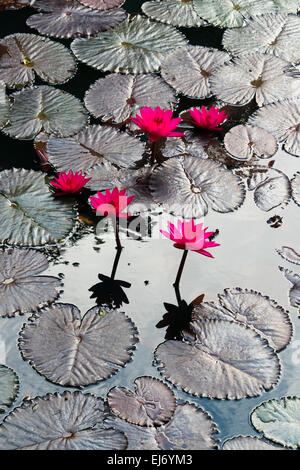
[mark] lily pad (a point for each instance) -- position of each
(289, 254)
(294, 294)
(296, 187)
(244, 142)
(131, 92)
(70, 19)
(175, 12)
(21, 290)
(9, 387)
(46, 109)
(26, 54)
(292, 6)
(153, 404)
(29, 214)
(270, 33)
(188, 69)
(259, 76)
(248, 443)
(4, 105)
(74, 352)
(102, 4)
(227, 361)
(271, 187)
(139, 437)
(192, 144)
(137, 45)
(189, 186)
(15, 4)
(279, 421)
(93, 145)
(67, 421)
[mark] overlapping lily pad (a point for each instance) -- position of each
(292, 6)
(15, 4)
(289, 254)
(131, 92)
(248, 443)
(188, 69)
(102, 4)
(4, 105)
(46, 109)
(296, 187)
(279, 421)
(74, 352)
(189, 186)
(138, 437)
(9, 387)
(93, 145)
(192, 144)
(23, 55)
(70, 19)
(29, 214)
(67, 421)
(175, 12)
(294, 293)
(227, 360)
(259, 76)
(21, 289)
(137, 45)
(244, 142)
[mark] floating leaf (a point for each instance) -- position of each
(67, 421)
(270, 33)
(294, 294)
(295, 182)
(4, 106)
(292, 6)
(74, 352)
(93, 145)
(102, 4)
(245, 142)
(69, 19)
(46, 109)
(21, 290)
(15, 4)
(271, 187)
(29, 214)
(228, 360)
(247, 443)
(279, 421)
(175, 12)
(289, 254)
(137, 45)
(9, 387)
(131, 92)
(139, 438)
(191, 145)
(189, 186)
(153, 404)
(27, 54)
(258, 76)
(188, 69)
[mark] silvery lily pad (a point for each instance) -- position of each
(244, 142)
(283, 121)
(270, 33)
(138, 437)
(175, 12)
(259, 76)
(29, 214)
(4, 105)
(292, 6)
(26, 54)
(227, 361)
(46, 109)
(248, 443)
(191, 145)
(289, 254)
(153, 404)
(70, 19)
(9, 387)
(294, 293)
(296, 187)
(188, 69)
(279, 421)
(67, 421)
(131, 92)
(71, 351)
(15, 4)
(189, 186)
(102, 4)
(271, 187)
(138, 45)
(93, 145)
(21, 289)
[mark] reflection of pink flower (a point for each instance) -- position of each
(69, 183)
(190, 236)
(208, 119)
(111, 203)
(157, 123)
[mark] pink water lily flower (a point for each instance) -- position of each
(157, 123)
(190, 236)
(112, 203)
(208, 119)
(69, 183)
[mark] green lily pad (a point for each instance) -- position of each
(9, 387)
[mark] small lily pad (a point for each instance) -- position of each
(175, 12)
(248, 443)
(294, 293)
(102, 4)
(9, 387)
(244, 142)
(271, 187)
(296, 188)
(289, 254)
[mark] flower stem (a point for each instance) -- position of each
(119, 246)
(180, 269)
(116, 262)
(153, 152)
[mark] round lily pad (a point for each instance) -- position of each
(248, 443)
(189, 186)
(102, 4)
(244, 142)
(137, 45)
(9, 387)
(71, 351)
(294, 293)
(4, 105)
(289, 254)
(296, 187)
(21, 289)
(66, 421)
(46, 109)
(139, 437)
(29, 214)
(23, 55)
(175, 12)
(271, 187)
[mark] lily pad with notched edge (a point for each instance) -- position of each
(289, 254)
(244, 142)
(4, 105)
(295, 182)
(9, 387)
(29, 214)
(137, 45)
(139, 437)
(191, 145)
(248, 443)
(271, 187)
(66, 421)
(175, 12)
(71, 351)
(102, 4)
(294, 293)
